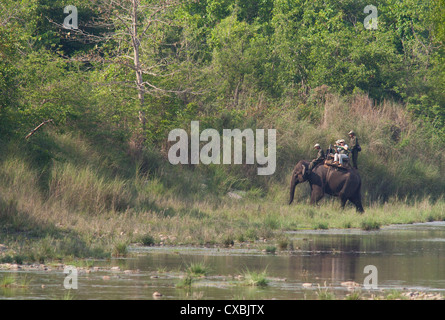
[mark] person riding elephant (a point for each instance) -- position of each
(319, 159)
(342, 152)
(354, 147)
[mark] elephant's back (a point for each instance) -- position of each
(337, 180)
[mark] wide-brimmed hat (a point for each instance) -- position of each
(317, 145)
(351, 133)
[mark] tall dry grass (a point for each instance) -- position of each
(84, 203)
(83, 189)
(400, 157)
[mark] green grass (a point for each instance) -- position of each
(325, 294)
(395, 295)
(355, 295)
(284, 243)
(369, 225)
(93, 204)
(120, 249)
(321, 226)
(198, 269)
(11, 282)
(147, 240)
(186, 282)
(83, 263)
(255, 278)
(271, 249)
(7, 282)
(68, 295)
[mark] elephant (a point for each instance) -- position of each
(342, 183)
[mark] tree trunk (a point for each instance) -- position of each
(139, 81)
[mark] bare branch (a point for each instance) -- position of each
(38, 127)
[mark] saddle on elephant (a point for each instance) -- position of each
(331, 163)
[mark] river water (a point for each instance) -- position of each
(404, 257)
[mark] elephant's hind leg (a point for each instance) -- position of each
(344, 195)
(343, 200)
(358, 204)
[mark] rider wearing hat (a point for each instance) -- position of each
(320, 158)
(354, 147)
(342, 151)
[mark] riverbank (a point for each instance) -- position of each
(61, 234)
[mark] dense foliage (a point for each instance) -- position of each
(227, 63)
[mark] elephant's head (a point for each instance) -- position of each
(297, 177)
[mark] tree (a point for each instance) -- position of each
(131, 34)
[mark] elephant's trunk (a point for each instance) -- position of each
(293, 184)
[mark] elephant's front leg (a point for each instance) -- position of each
(316, 194)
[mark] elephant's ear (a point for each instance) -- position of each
(299, 168)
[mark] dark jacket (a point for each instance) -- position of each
(353, 144)
(320, 155)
